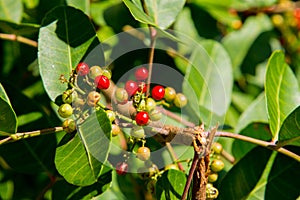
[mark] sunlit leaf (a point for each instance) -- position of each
(209, 78)
(256, 112)
(164, 13)
(71, 34)
(282, 92)
(80, 160)
(11, 10)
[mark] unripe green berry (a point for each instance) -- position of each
(170, 94)
(95, 71)
(212, 177)
(111, 115)
(69, 96)
(217, 148)
(65, 110)
(93, 98)
(137, 132)
(107, 73)
(180, 100)
(115, 130)
(143, 153)
(155, 115)
(150, 104)
(69, 125)
(217, 165)
(121, 95)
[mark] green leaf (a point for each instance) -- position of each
(285, 175)
(278, 175)
(63, 190)
(32, 155)
(170, 185)
(11, 10)
(8, 118)
(289, 133)
(138, 13)
(256, 112)
(243, 177)
(71, 34)
(209, 78)
(254, 130)
(282, 92)
(164, 13)
(83, 5)
(80, 160)
(239, 42)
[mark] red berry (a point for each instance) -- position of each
(158, 92)
(141, 73)
(131, 87)
(142, 118)
(122, 168)
(102, 82)
(82, 69)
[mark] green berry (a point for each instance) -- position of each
(95, 71)
(217, 148)
(212, 177)
(143, 153)
(93, 98)
(155, 115)
(137, 132)
(121, 95)
(115, 130)
(170, 94)
(69, 125)
(150, 104)
(65, 110)
(217, 165)
(107, 73)
(180, 100)
(111, 115)
(69, 96)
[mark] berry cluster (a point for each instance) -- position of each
(75, 100)
(216, 166)
(85, 86)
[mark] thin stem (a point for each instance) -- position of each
(190, 177)
(228, 156)
(176, 117)
(151, 56)
(17, 38)
(262, 143)
(24, 135)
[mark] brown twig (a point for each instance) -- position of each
(18, 38)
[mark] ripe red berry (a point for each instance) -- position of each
(82, 69)
(142, 118)
(102, 82)
(131, 87)
(158, 92)
(122, 168)
(141, 73)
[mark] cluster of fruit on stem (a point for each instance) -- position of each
(84, 92)
(216, 165)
